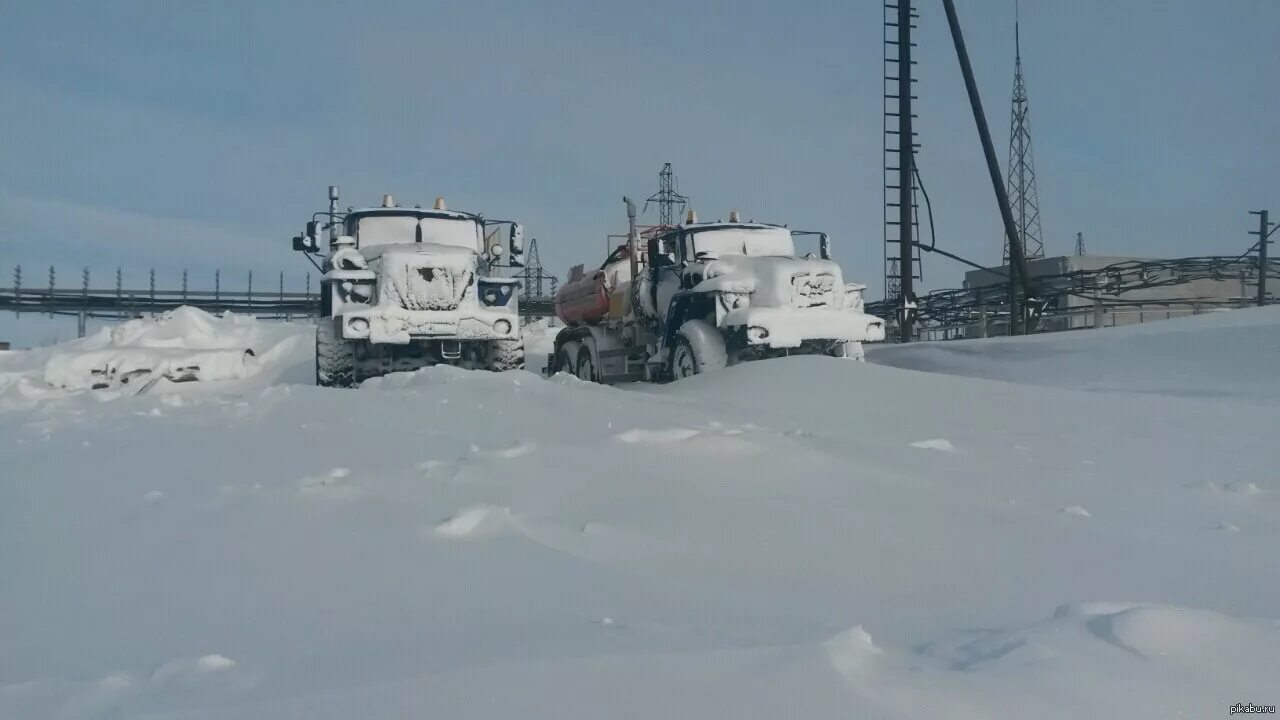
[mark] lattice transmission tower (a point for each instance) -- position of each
(1024, 200)
(667, 198)
(536, 283)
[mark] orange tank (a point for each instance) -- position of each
(583, 299)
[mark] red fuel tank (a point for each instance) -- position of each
(583, 298)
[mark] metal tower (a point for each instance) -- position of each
(901, 223)
(532, 275)
(1021, 182)
(1079, 243)
(667, 198)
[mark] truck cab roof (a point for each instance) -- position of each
(412, 212)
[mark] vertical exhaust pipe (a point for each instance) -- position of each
(633, 250)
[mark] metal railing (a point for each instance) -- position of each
(121, 302)
(995, 323)
(1074, 300)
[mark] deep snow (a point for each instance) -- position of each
(807, 537)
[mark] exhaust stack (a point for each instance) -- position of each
(388, 201)
(440, 204)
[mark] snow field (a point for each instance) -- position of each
(803, 537)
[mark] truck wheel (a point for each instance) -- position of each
(334, 361)
(699, 349)
(566, 358)
(585, 368)
(505, 355)
(851, 350)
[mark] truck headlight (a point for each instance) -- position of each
(757, 334)
(495, 294)
(853, 299)
(502, 327)
(358, 326)
(733, 301)
(356, 292)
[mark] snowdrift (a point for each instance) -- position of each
(803, 537)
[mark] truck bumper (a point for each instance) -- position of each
(397, 326)
(789, 327)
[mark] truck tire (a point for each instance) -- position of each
(334, 360)
(566, 358)
(699, 349)
(505, 355)
(585, 367)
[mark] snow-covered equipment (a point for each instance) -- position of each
(404, 288)
(181, 345)
(695, 297)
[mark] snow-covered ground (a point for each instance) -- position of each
(1229, 354)
(808, 537)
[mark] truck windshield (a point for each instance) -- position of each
(403, 229)
(744, 241)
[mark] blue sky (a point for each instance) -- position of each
(202, 135)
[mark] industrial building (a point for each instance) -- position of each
(1084, 291)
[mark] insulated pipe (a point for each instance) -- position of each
(333, 214)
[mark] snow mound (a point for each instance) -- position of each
(1088, 660)
(941, 444)
(656, 437)
(476, 522)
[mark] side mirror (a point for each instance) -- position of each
(313, 231)
(302, 243)
(824, 246)
(517, 239)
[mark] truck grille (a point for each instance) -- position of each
(431, 288)
(812, 290)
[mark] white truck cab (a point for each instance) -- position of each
(409, 287)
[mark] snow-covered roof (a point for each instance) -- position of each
(416, 212)
(717, 225)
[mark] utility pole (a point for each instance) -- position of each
(906, 161)
(1264, 231)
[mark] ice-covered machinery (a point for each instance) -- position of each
(695, 297)
(408, 287)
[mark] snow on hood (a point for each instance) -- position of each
(412, 277)
(769, 278)
(451, 254)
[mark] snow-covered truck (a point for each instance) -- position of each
(405, 287)
(693, 298)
